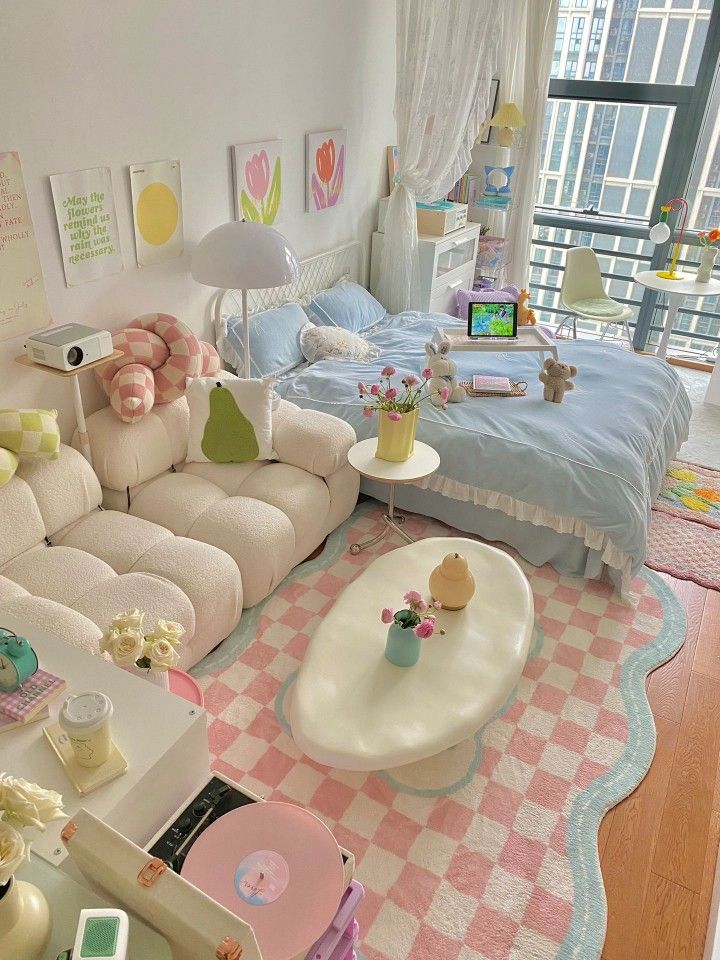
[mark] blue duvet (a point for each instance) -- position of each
(598, 457)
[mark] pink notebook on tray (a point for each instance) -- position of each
(37, 692)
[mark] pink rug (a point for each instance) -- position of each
(684, 538)
(489, 850)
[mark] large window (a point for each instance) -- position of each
(620, 130)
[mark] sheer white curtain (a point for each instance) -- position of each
(526, 47)
(446, 57)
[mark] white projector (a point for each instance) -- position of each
(70, 346)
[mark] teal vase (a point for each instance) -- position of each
(402, 647)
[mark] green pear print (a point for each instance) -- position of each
(229, 437)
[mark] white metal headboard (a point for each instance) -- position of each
(316, 273)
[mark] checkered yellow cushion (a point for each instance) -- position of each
(8, 465)
(30, 433)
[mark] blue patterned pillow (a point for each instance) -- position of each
(274, 340)
(346, 305)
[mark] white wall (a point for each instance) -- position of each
(94, 82)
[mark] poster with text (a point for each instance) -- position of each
(23, 306)
(87, 222)
(157, 211)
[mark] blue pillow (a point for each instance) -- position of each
(274, 340)
(346, 305)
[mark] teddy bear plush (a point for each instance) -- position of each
(555, 375)
(443, 374)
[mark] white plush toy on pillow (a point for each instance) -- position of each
(444, 370)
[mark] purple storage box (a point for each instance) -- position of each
(508, 294)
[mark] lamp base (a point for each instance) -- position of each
(670, 275)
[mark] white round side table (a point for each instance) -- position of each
(676, 291)
(424, 461)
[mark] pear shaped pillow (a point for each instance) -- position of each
(230, 420)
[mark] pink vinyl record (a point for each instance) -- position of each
(277, 867)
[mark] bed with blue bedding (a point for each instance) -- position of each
(571, 484)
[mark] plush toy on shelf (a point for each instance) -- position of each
(556, 375)
(444, 372)
(525, 315)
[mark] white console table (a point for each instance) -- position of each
(163, 737)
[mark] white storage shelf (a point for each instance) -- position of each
(447, 264)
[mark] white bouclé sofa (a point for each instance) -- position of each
(267, 515)
(68, 567)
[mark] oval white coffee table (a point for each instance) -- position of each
(352, 709)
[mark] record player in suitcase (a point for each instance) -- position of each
(230, 875)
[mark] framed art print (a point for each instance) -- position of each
(324, 169)
(492, 107)
(257, 177)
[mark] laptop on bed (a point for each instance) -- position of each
(492, 321)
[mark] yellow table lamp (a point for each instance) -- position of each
(662, 232)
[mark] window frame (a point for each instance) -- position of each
(690, 103)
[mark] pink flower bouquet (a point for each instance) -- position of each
(418, 615)
(399, 400)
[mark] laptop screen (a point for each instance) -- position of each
(492, 320)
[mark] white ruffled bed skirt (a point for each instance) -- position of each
(610, 553)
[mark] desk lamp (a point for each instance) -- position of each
(507, 119)
(662, 232)
(244, 256)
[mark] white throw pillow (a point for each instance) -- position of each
(334, 343)
(230, 420)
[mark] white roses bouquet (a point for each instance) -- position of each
(22, 804)
(129, 645)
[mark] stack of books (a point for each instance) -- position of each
(30, 701)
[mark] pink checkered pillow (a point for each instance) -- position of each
(160, 354)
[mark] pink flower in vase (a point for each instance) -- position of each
(394, 415)
(411, 380)
(257, 174)
(387, 616)
(388, 372)
(412, 596)
(425, 629)
(375, 389)
(368, 411)
(427, 373)
(390, 393)
(362, 388)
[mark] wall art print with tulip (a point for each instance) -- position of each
(325, 169)
(257, 169)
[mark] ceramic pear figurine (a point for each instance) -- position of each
(452, 583)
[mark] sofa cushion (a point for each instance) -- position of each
(65, 489)
(207, 577)
(58, 573)
(155, 595)
(22, 526)
(302, 497)
(257, 535)
(230, 420)
(54, 618)
(116, 539)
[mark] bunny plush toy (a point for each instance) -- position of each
(444, 373)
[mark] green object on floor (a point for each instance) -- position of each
(229, 437)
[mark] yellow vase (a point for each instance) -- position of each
(396, 438)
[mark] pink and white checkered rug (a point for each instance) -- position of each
(489, 850)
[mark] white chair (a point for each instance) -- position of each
(583, 295)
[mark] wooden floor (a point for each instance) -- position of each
(659, 846)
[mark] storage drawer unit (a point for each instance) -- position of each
(447, 264)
